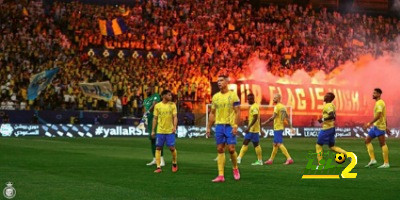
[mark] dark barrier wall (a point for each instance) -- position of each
(83, 117)
(63, 117)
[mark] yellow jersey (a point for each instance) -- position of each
(165, 113)
(328, 108)
(380, 107)
(223, 105)
(254, 110)
(279, 119)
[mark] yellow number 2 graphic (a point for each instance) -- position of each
(346, 172)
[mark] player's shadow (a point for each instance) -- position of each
(361, 167)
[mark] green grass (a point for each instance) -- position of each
(114, 168)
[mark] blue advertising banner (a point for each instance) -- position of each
(90, 130)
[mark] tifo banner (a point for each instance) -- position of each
(307, 99)
(353, 107)
(40, 81)
(125, 53)
(89, 130)
(99, 90)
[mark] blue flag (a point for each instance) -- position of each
(99, 90)
(40, 81)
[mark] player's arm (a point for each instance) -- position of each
(253, 122)
(376, 118)
(236, 109)
(269, 120)
(387, 129)
(211, 120)
(153, 129)
(286, 116)
(175, 122)
(155, 119)
(152, 106)
(175, 116)
(331, 116)
(261, 131)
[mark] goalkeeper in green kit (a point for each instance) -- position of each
(149, 103)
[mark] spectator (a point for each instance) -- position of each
(206, 37)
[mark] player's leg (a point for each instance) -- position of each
(332, 146)
(370, 148)
(245, 147)
(160, 140)
(319, 151)
(174, 152)
(385, 150)
(231, 142)
(285, 152)
(153, 144)
(277, 140)
(232, 152)
(337, 149)
(226, 149)
(322, 139)
(220, 140)
(270, 161)
(153, 150)
(257, 148)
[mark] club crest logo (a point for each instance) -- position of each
(9, 192)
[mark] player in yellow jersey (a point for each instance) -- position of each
(166, 120)
(279, 116)
(252, 131)
(327, 134)
(379, 129)
(225, 113)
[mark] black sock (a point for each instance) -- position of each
(174, 165)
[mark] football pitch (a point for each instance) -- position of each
(115, 168)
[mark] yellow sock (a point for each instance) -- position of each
(234, 160)
(174, 156)
(243, 150)
(274, 151)
(318, 149)
(284, 151)
(258, 152)
(385, 152)
(338, 150)
(158, 158)
(221, 164)
(370, 150)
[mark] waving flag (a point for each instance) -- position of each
(99, 90)
(25, 12)
(114, 27)
(40, 81)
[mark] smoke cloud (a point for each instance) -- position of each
(367, 73)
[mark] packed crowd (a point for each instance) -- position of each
(208, 37)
